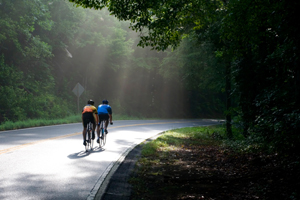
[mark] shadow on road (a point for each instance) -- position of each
(84, 153)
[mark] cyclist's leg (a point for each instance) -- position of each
(93, 130)
(84, 135)
(94, 125)
(106, 122)
(84, 122)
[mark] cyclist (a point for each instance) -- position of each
(89, 114)
(105, 113)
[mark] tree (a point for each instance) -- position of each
(161, 23)
(19, 24)
(11, 92)
(265, 45)
(23, 49)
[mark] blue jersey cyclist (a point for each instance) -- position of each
(89, 114)
(104, 113)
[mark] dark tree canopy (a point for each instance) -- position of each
(161, 23)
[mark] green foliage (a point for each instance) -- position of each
(165, 22)
(265, 46)
(151, 148)
(11, 94)
(19, 24)
(25, 72)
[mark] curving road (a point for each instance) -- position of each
(50, 162)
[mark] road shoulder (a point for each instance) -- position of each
(116, 186)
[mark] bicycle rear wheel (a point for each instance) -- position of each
(101, 144)
(100, 134)
(88, 137)
(87, 144)
(91, 136)
(92, 144)
(104, 137)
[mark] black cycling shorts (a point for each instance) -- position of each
(103, 117)
(88, 117)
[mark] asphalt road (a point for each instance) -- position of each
(51, 163)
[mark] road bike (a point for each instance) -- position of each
(103, 135)
(88, 137)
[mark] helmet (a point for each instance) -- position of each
(105, 101)
(91, 102)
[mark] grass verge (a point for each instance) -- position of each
(10, 125)
(199, 163)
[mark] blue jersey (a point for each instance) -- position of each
(104, 109)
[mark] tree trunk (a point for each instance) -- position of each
(228, 101)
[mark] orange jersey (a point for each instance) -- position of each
(89, 109)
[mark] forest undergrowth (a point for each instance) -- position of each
(185, 166)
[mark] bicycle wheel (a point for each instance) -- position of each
(88, 137)
(104, 137)
(100, 135)
(87, 144)
(92, 144)
(91, 138)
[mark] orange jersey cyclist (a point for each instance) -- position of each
(89, 114)
(105, 113)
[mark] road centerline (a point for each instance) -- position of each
(11, 149)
